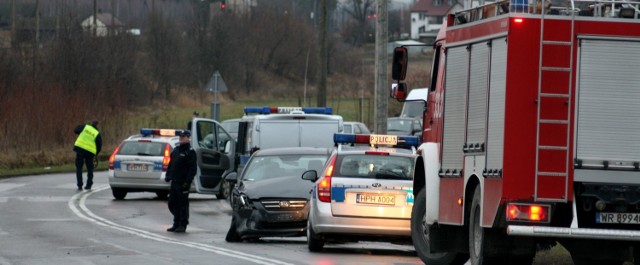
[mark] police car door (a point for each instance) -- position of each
(215, 149)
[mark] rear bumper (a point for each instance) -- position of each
(139, 183)
(563, 232)
(324, 222)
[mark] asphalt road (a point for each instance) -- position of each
(44, 220)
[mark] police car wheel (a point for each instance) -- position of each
(163, 195)
(118, 193)
(225, 189)
(314, 242)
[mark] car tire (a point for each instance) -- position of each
(478, 239)
(163, 195)
(420, 233)
(225, 190)
(118, 193)
(232, 234)
(314, 241)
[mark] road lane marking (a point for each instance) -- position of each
(77, 204)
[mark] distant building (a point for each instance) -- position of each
(105, 23)
(427, 16)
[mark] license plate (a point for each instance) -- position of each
(618, 218)
(376, 199)
(284, 218)
(137, 167)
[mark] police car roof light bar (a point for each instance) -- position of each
(285, 110)
(377, 139)
(160, 132)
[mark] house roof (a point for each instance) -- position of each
(107, 19)
(426, 6)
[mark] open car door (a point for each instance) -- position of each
(215, 149)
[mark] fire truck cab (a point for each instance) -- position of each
(531, 134)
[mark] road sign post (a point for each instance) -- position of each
(216, 84)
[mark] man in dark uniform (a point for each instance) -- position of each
(87, 146)
(181, 171)
(195, 115)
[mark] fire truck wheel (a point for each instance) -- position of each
(314, 242)
(477, 237)
(420, 233)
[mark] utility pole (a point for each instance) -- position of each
(381, 86)
(322, 54)
(95, 19)
(14, 34)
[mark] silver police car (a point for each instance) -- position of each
(139, 163)
(363, 192)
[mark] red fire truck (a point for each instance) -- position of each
(531, 134)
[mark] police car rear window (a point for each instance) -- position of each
(142, 148)
(376, 167)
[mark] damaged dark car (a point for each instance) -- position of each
(270, 199)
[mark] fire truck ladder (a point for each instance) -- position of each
(554, 94)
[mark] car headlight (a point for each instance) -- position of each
(244, 200)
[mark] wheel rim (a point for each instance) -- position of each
(225, 189)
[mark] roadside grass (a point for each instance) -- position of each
(557, 255)
(61, 159)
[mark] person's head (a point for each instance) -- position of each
(94, 123)
(184, 136)
(196, 114)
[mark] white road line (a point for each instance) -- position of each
(78, 206)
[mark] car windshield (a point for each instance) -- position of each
(348, 128)
(230, 126)
(399, 125)
(373, 166)
(266, 167)
(142, 148)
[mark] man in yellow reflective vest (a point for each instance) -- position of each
(87, 146)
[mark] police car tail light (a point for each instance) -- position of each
(324, 186)
(528, 212)
(376, 139)
(167, 157)
(112, 158)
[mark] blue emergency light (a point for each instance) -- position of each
(284, 110)
(376, 139)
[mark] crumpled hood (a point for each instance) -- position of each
(281, 187)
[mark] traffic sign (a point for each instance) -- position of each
(216, 83)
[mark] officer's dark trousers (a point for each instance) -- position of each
(84, 158)
(179, 204)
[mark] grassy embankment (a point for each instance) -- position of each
(177, 117)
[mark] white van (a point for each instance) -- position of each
(270, 127)
(415, 103)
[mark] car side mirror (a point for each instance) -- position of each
(310, 175)
(232, 177)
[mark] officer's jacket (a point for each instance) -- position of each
(183, 165)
